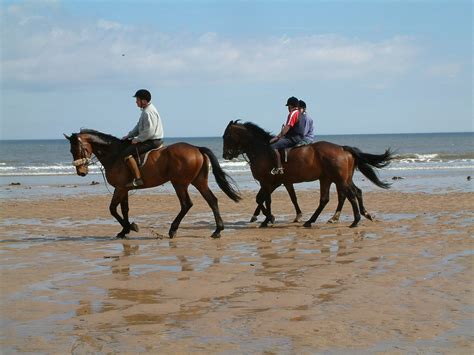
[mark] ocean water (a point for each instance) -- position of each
(431, 162)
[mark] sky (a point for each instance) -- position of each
(363, 67)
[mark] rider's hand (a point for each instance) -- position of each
(135, 141)
(274, 139)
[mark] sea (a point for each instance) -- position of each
(427, 162)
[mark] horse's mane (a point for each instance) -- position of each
(101, 138)
(257, 132)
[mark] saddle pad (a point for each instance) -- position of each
(147, 153)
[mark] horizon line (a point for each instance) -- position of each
(325, 134)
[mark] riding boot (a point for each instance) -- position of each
(133, 166)
(279, 168)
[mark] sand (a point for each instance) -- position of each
(403, 283)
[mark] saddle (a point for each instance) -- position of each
(142, 158)
(285, 151)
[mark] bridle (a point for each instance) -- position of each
(83, 152)
(235, 149)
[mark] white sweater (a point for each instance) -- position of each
(149, 125)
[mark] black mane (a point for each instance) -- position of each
(101, 138)
(258, 133)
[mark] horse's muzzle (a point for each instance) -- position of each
(228, 155)
(82, 170)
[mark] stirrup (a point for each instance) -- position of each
(276, 171)
(135, 183)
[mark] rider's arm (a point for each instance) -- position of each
(284, 131)
(133, 132)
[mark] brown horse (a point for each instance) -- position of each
(181, 163)
(327, 162)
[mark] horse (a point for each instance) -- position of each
(181, 163)
(324, 161)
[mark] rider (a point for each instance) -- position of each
(308, 136)
(291, 133)
(146, 135)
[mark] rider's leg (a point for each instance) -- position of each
(133, 166)
(279, 168)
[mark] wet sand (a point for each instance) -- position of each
(402, 283)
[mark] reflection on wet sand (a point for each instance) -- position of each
(286, 289)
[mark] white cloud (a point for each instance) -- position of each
(43, 54)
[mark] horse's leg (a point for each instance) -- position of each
(341, 198)
(351, 196)
(358, 194)
(323, 201)
(125, 209)
(119, 195)
(186, 204)
(255, 214)
(294, 200)
(211, 200)
(267, 196)
(260, 208)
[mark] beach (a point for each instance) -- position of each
(402, 283)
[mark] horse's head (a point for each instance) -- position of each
(233, 136)
(242, 138)
(81, 151)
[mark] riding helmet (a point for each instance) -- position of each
(292, 101)
(143, 95)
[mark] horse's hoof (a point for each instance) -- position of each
(307, 224)
(263, 225)
(121, 235)
(354, 224)
(253, 219)
(297, 218)
(332, 221)
(368, 216)
(272, 219)
(172, 234)
(134, 227)
(215, 235)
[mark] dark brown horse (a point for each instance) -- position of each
(181, 163)
(327, 162)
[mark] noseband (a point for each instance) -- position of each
(82, 161)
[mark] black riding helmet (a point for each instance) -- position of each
(302, 104)
(143, 95)
(292, 101)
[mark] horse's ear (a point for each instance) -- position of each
(67, 137)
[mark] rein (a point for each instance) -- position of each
(94, 161)
(88, 161)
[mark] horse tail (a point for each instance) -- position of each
(225, 182)
(365, 162)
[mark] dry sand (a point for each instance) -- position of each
(402, 283)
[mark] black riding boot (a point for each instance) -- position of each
(133, 166)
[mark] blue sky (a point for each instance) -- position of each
(361, 66)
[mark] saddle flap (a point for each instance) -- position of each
(144, 156)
